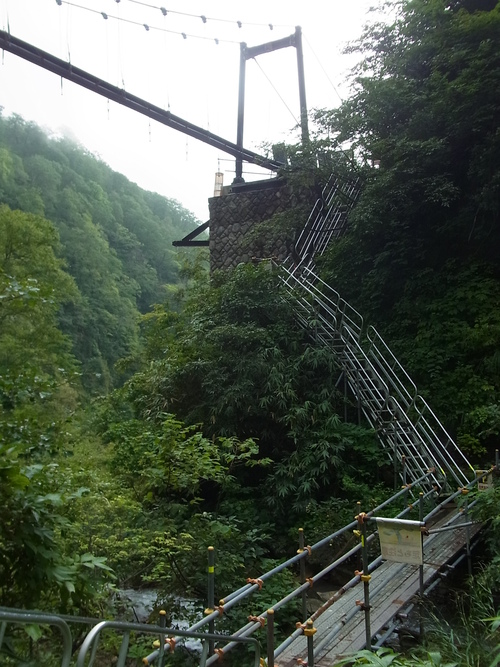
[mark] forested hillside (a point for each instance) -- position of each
(115, 240)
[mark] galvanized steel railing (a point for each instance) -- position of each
(216, 645)
(386, 395)
(88, 653)
(328, 218)
(20, 617)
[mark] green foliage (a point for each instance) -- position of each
(165, 457)
(419, 260)
(38, 396)
(115, 239)
(33, 567)
(38, 374)
(487, 509)
(110, 523)
(384, 657)
(235, 361)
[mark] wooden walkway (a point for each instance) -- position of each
(392, 586)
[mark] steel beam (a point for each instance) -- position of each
(96, 85)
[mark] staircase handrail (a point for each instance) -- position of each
(440, 434)
(391, 366)
(359, 360)
(315, 235)
(392, 403)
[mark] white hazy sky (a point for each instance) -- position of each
(196, 78)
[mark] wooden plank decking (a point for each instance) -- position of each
(391, 587)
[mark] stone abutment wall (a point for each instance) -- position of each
(241, 229)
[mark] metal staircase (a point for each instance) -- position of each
(328, 218)
(388, 399)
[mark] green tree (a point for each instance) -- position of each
(38, 394)
(420, 260)
(235, 361)
(38, 373)
(116, 240)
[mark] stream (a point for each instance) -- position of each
(138, 605)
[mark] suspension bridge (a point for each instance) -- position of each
(396, 550)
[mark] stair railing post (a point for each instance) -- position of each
(358, 397)
(405, 484)
(395, 459)
(362, 519)
(421, 569)
(345, 394)
(302, 574)
(211, 596)
(467, 530)
(309, 632)
(270, 638)
(359, 554)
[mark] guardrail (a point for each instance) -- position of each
(215, 645)
(266, 617)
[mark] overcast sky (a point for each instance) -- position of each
(196, 78)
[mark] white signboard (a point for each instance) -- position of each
(486, 481)
(401, 540)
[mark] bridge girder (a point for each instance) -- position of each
(93, 83)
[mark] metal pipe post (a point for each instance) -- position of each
(122, 656)
(467, 533)
(211, 595)
(395, 459)
(345, 395)
(3, 627)
(405, 484)
(270, 638)
(360, 555)
(163, 624)
(241, 112)
(309, 632)
(302, 85)
(303, 574)
(359, 399)
(421, 569)
(365, 578)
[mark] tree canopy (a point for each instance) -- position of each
(421, 259)
(115, 238)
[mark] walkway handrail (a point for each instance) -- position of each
(29, 617)
(351, 583)
(90, 642)
(233, 598)
(458, 493)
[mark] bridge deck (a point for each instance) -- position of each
(391, 587)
